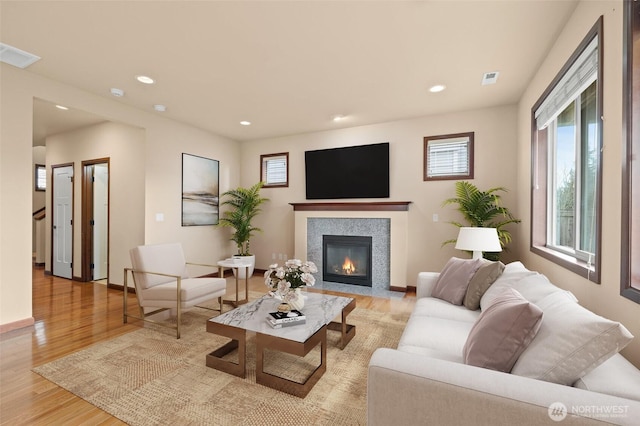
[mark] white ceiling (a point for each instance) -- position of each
(288, 66)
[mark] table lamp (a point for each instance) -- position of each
(478, 240)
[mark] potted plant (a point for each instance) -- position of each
(244, 207)
(482, 209)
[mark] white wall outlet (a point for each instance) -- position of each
(273, 256)
(436, 217)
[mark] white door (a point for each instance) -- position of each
(62, 221)
(100, 220)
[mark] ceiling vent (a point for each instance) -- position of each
(490, 78)
(16, 57)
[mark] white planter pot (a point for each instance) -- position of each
(245, 259)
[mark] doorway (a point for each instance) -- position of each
(95, 220)
(62, 218)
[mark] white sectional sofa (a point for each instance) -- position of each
(425, 381)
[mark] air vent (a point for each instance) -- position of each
(16, 57)
(490, 78)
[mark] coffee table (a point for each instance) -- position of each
(320, 310)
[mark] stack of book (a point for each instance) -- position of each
(285, 319)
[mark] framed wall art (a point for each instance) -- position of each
(200, 190)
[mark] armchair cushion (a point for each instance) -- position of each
(162, 258)
(192, 291)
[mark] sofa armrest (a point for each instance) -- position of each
(425, 283)
(412, 389)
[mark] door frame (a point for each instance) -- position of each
(53, 212)
(88, 214)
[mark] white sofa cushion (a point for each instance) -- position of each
(502, 332)
(435, 334)
(571, 341)
(616, 376)
(432, 307)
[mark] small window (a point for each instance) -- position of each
(448, 157)
(41, 177)
(274, 170)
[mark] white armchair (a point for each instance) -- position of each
(161, 281)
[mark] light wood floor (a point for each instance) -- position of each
(70, 316)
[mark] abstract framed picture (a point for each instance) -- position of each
(200, 190)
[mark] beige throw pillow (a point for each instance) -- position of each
(481, 281)
(454, 279)
(502, 332)
(571, 342)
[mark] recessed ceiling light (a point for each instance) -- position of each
(245, 123)
(160, 108)
(118, 93)
(337, 118)
(437, 88)
(16, 57)
(64, 108)
(145, 79)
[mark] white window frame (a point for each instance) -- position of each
(552, 206)
(267, 162)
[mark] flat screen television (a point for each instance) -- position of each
(351, 172)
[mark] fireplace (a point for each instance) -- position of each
(347, 259)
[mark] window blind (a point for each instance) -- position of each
(275, 171)
(450, 157)
(578, 77)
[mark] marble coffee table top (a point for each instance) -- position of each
(319, 310)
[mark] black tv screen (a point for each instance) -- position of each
(351, 172)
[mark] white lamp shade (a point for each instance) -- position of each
(478, 239)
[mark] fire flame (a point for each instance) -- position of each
(348, 267)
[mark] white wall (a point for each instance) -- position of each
(605, 298)
(495, 134)
(124, 146)
(164, 141)
(39, 157)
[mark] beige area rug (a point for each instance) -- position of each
(148, 377)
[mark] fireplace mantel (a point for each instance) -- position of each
(358, 206)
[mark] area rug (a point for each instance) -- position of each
(148, 377)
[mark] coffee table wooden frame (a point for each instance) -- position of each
(266, 341)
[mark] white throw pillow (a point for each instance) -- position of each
(513, 272)
(571, 341)
(535, 287)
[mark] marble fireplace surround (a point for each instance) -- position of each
(396, 212)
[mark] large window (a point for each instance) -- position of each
(567, 158)
(630, 262)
